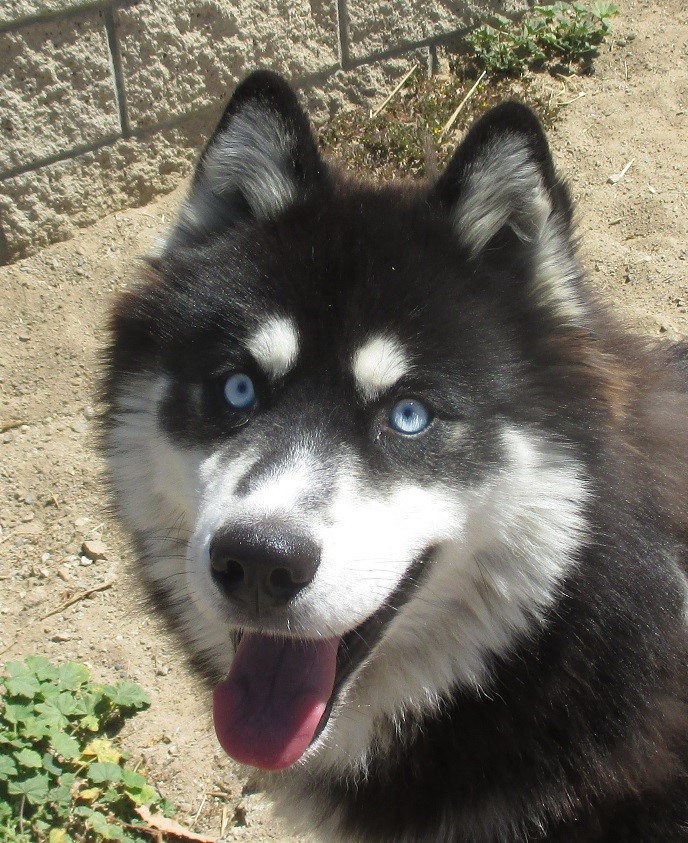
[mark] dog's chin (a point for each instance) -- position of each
(281, 691)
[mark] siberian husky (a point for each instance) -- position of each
(407, 492)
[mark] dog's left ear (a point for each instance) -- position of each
(505, 200)
(260, 160)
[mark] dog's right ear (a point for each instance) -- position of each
(260, 160)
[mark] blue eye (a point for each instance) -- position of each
(409, 417)
(240, 393)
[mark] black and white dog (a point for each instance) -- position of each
(407, 492)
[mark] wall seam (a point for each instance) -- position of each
(117, 71)
(343, 34)
(62, 14)
(67, 155)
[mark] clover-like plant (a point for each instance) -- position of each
(563, 33)
(63, 777)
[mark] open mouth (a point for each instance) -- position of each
(280, 692)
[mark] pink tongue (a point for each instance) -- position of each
(267, 709)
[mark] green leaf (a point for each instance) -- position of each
(64, 745)
(99, 823)
(22, 686)
(34, 789)
(52, 715)
(61, 795)
(132, 779)
(41, 668)
(13, 669)
(104, 772)
(7, 768)
(29, 758)
(168, 808)
(71, 676)
(36, 728)
(90, 723)
(145, 795)
(18, 713)
(127, 695)
(50, 765)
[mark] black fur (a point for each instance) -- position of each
(581, 736)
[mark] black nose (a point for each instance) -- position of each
(263, 568)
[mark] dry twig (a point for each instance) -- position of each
(452, 119)
(80, 596)
(391, 96)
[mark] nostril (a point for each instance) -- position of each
(234, 573)
(227, 573)
(282, 583)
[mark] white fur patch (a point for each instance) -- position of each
(508, 545)
(254, 157)
(379, 364)
(275, 345)
(504, 187)
(157, 486)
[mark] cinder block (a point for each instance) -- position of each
(48, 205)
(379, 25)
(56, 89)
(178, 57)
(18, 10)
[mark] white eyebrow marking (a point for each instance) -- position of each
(379, 364)
(275, 345)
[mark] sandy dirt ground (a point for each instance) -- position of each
(53, 306)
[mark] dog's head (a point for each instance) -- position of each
(338, 424)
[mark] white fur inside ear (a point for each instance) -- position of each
(253, 156)
(504, 187)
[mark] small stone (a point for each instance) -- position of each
(24, 337)
(63, 574)
(28, 517)
(45, 557)
(94, 549)
(61, 637)
(81, 522)
(85, 561)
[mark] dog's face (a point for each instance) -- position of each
(332, 432)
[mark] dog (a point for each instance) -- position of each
(409, 495)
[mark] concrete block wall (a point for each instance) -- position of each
(105, 103)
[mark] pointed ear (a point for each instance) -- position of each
(260, 160)
(505, 199)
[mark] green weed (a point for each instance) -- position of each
(563, 33)
(62, 776)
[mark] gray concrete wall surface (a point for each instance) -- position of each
(105, 103)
